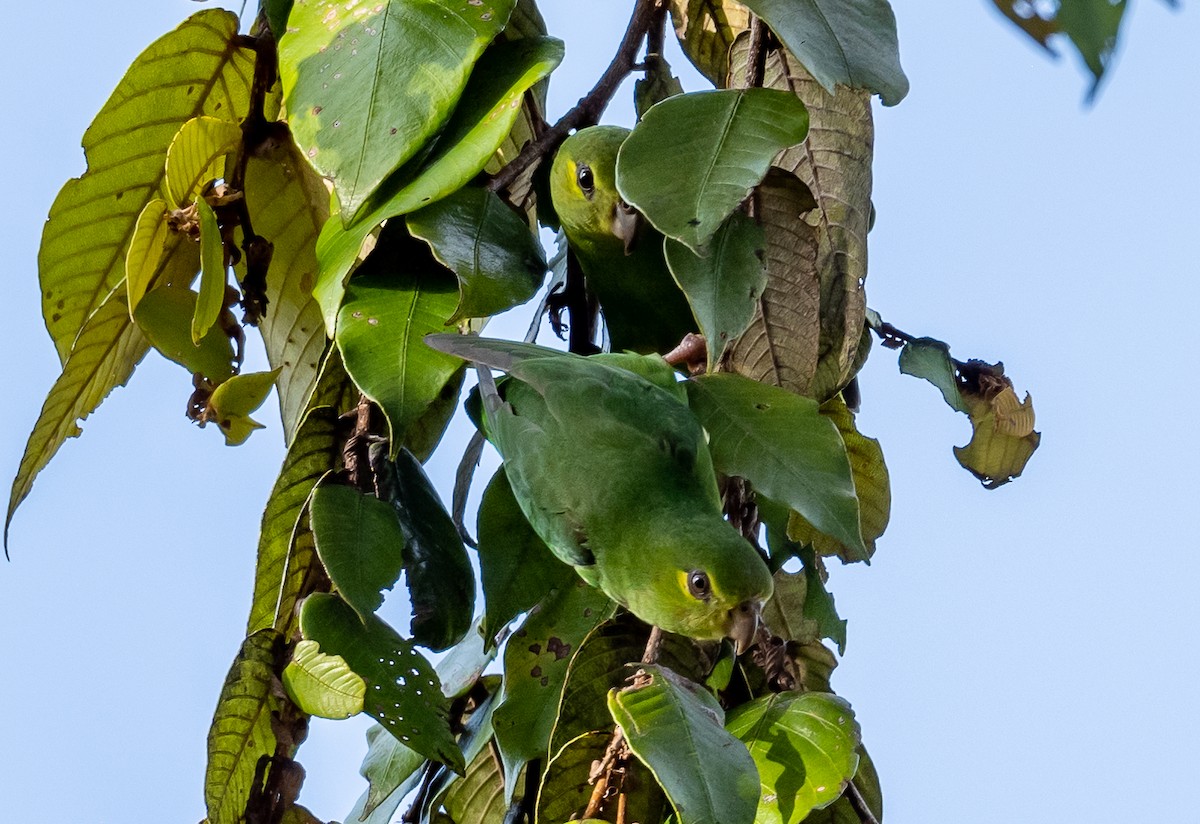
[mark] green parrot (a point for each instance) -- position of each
(620, 253)
(612, 470)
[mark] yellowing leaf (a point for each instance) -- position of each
(1004, 440)
(213, 276)
(196, 69)
(233, 401)
(196, 156)
(146, 249)
(706, 29)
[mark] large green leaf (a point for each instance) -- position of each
(719, 144)
(390, 306)
(516, 566)
(403, 691)
(675, 727)
(368, 85)
(804, 747)
(499, 262)
(782, 444)
(441, 583)
(535, 664)
(289, 204)
(315, 451)
(197, 69)
(360, 543)
(850, 43)
(725, 285)
(108, 349)
(241, 727)
(487, 112)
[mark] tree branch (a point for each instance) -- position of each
(589, 108)
(854, 796)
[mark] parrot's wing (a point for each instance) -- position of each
(493, 352)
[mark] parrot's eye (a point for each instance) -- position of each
(583, 175)
(699, 586)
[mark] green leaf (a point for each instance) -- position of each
(196, 156)
(213, 275)
(229, 407)
(322, 685)
(403, 692)
(282, 566)
(478, 797)
(108, 349)
(152, 240)
(441, 583)
(241, 728)
(368, 86)
(277, 16)
(499, 262)
(165, 316)
(392, 770)
(724, 286)
(720, 145)
(196, 69)
(657, 85)
(872, 486)
(804, 747)
(675, 727)
(929, 358)
(535, 664)
(842, 811)
(516, 566)
(389, 308)
(853, 44)
(486, 113)
(565, 789)
(782, 444)
(463, 664)
(360, 543)
(289, 204)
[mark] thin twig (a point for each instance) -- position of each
(854, 796)
(589, 108)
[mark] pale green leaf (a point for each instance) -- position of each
(213, 275)
(148, 246)
(322, 685)
(229, 407)
(197, 69)
(165, 316)
(196, 156)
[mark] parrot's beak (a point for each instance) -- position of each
(625, 224)
(745, 625)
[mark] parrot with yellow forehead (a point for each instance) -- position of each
(620, 253)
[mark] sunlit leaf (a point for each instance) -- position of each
(782, 444)
(197, 69)
(150, 242)
(368, 85)
(196, 156)
(230, 405)
(676, 728)
(165, 316)
(360, 543)
(213, 275)
(721, 144)
(403, 692)
(804, 747)
(842, 811)
(241, 728)
(322, 685)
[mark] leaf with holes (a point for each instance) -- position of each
(322, 685)
(403, 692)
(535, 664)
(804, 747)
(241, 730)
(721, 144)
(369, 84)
(360, 544)
(441, 583)
(197, 69)
(498, 261)
(782, 444)
(675, 728)
(724, 286)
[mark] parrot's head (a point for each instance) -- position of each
(701, 579)
(583, 185)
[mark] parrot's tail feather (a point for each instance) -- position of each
(492, 402)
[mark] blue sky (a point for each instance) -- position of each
(1025, 654)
